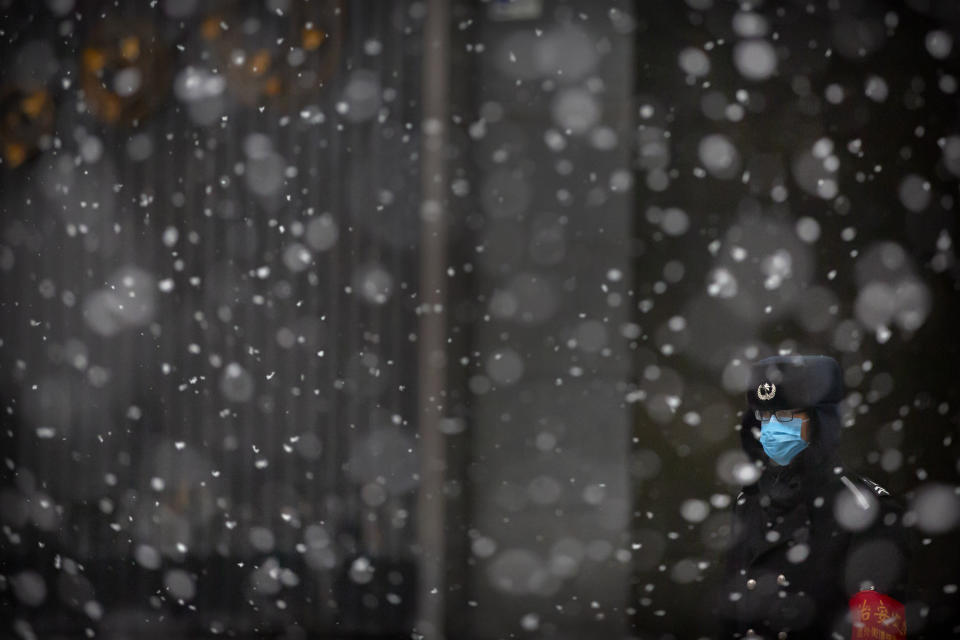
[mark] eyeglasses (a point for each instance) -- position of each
(783, 415)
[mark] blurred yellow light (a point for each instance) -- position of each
(313, 38)
(93, 60)
(15, 154)
(260, 62)
(211, 28)
(130, 48)
(33, 104)
(273, 86)
(110, 108)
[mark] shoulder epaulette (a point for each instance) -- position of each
(877, 489)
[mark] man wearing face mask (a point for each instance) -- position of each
(817, 550)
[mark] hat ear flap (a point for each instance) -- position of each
(750, 444)
(826, 425)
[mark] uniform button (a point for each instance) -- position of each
(782, 580)
(751, 584)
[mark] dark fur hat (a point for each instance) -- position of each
(794, 382)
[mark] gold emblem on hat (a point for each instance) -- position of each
(767, 391)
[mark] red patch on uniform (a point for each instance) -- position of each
(877, 616)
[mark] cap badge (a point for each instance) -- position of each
(767, 391)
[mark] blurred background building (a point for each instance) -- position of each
(431, 318)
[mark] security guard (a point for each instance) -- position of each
(808, 534)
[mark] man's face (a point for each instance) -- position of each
(786, 415)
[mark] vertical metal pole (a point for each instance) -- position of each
(432, 329)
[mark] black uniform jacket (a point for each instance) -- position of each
(806, 538)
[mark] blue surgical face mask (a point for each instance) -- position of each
(782, 440)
